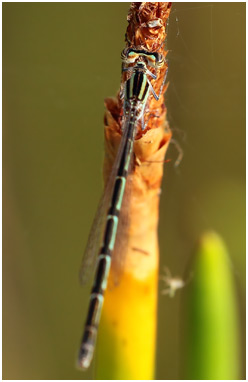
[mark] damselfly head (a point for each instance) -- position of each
(153, 59)
(129, 56)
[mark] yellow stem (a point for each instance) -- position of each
(127, 332)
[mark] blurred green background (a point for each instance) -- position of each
(60, 60)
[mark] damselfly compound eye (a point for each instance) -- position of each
(129, 56)
(151, 60)
(156, 60)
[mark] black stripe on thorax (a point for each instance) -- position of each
(137, 83)
(137, 86)
(144, 92)
(128, 95)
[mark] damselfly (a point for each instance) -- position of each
(137, 88)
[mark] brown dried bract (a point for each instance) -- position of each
(147, 25)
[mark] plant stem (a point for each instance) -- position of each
(127, 332)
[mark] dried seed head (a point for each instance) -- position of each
(147, 25)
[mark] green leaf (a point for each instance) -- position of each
(212, 348)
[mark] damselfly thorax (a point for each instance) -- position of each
(138, 85)
(137, 89)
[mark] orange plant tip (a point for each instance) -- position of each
(147, 24)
